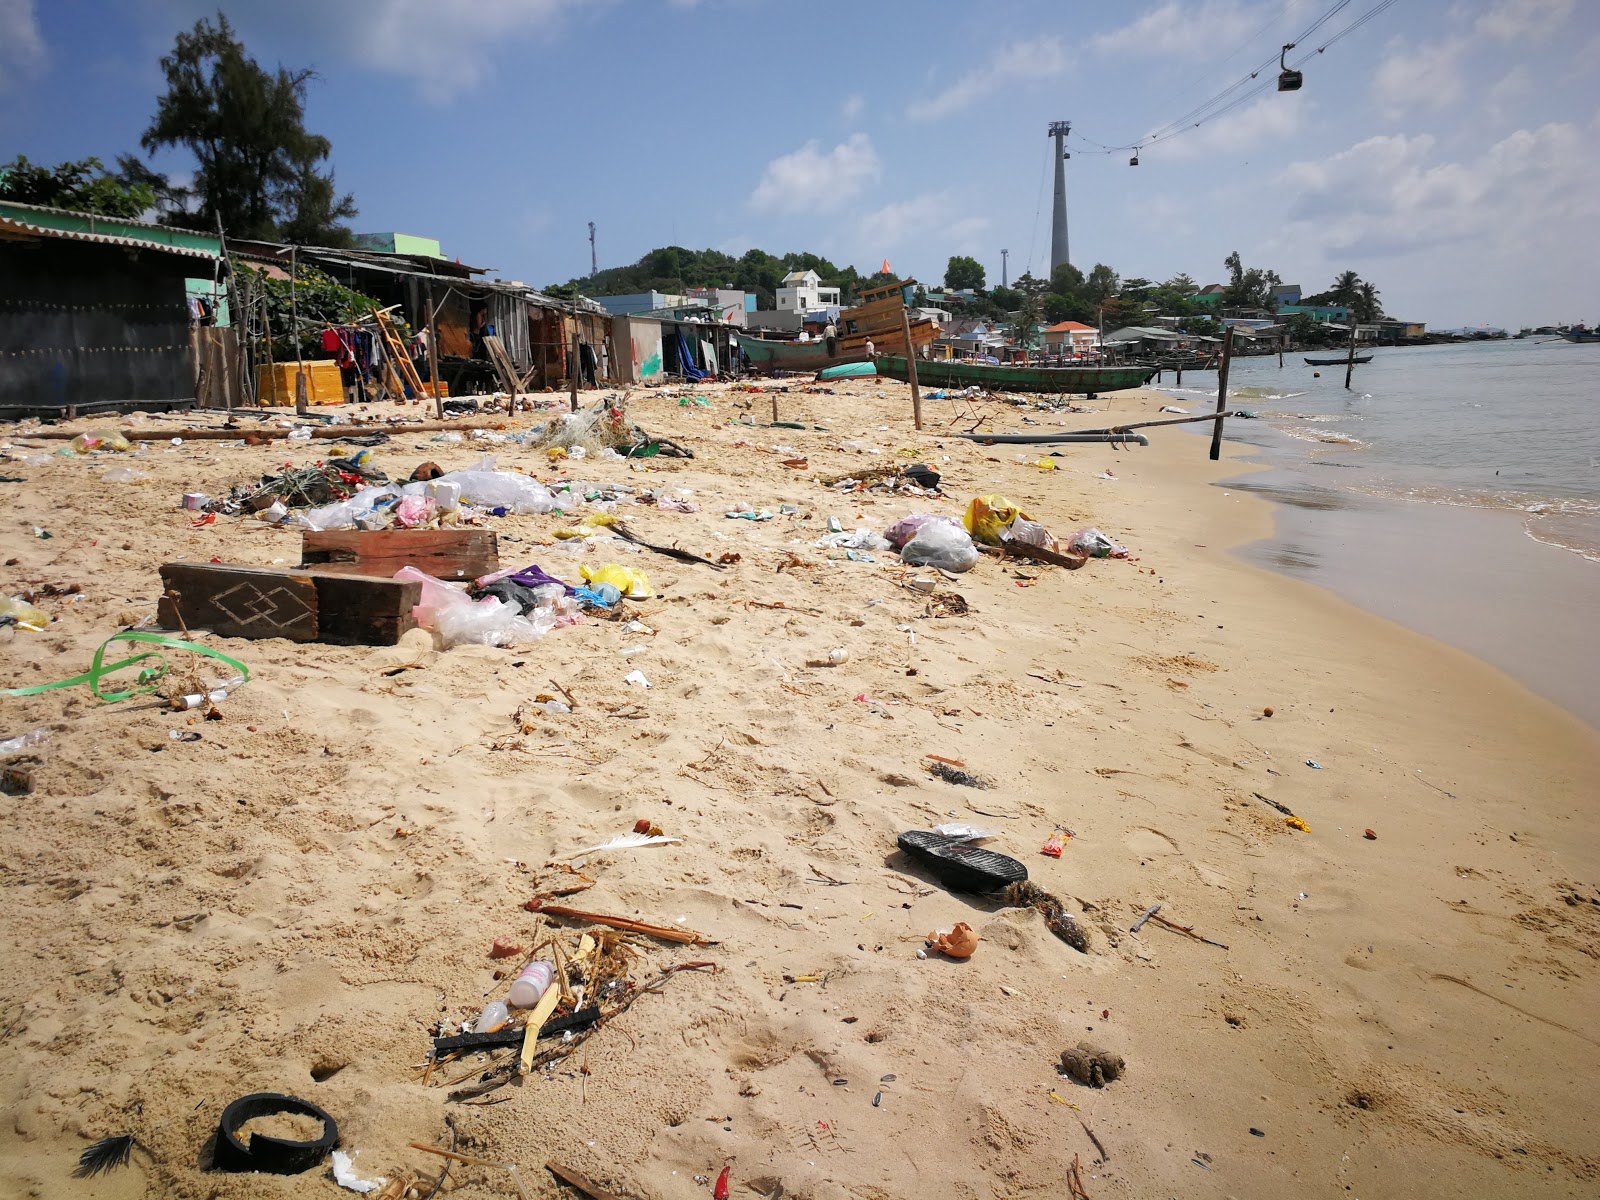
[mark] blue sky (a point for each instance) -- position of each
(1447, 150)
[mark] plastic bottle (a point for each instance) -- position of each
(494, 1015)
(22, 742)
(536, 977)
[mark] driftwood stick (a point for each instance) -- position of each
(1154, 424)
(622, 530)
(1148, 913)
(1098, 1145)
(274, 431)
(1034, 554)
(1186, 930)
(476, 1162)
(666, 933)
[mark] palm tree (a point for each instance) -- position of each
(1367, 306)
(1345, 290)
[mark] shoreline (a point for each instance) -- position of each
(1405, 1014)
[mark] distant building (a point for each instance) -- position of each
(1071, 337)
(638, 302)
(731, 306)
(802, 291)
(1284, 293)
(1317, 312)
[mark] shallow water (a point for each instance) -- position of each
(1455, 489)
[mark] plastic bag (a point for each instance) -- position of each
(484, 486)
(459, 620)
(905, 528)
(858, 539)
(1093, 544)
(630, 581)
(414, 511)
(965, 831)
(1035, 534)
(124, 475)
(14, 609)
(942, 544)
(344, 514)
(101, 439)
(989, 517)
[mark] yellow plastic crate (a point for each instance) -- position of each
(275, 385)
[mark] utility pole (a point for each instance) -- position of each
(1004, 255)
(594, 261)
(1058, 220)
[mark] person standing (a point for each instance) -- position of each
(830, 335)
(871, 349)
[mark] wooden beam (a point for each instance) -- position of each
(238, 601)
(443, 553)
(1222, 392)
(911, 369)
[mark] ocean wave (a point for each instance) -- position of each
(1294, 416)
(1260, 393)
(1577, 535)
(1331, 437)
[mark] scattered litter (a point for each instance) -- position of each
(344, 1174)
(637, 679)
(963, 832)
(959, 942)
(952, 774)
(1056, 842)
(1025, 894)
(1369, 835)
(1313, 764)
(1297, 823)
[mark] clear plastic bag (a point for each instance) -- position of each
(942, 544)
(458, 619)
(857, 539)
(1094, 544)
(484, 486)
(344, 514)
(903, 530)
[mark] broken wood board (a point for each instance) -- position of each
(232, 600)
(442, 553)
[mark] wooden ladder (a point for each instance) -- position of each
(399, 360)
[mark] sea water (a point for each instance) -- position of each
(1454, 488)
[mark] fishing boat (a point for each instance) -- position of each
(878, 317)
(1338, 362)
(1580, 334)
(1077, 380)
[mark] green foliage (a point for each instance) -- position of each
(675, 269)
(320, 300)
(1025, 323)
(258, 167)
(1006, 298)
(1367, 306)
(963, 272)
(1248, 287)
(1101, 284)
(83, 186)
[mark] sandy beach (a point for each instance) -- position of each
(296, 899)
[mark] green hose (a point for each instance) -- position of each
(148, 678)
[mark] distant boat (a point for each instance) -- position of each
(1078, 380)
(1338, 362)
(1580, 334)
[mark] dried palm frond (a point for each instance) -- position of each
(105, 1155)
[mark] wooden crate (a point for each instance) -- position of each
(443, 553)
(275, 385)
(232, 600)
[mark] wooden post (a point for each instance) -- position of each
(272, 370)
(1350, 359)
(573, 366)
(433, 363)
(1222, 392)
(911, 369)
(294, 321)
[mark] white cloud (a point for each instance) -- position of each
(811, 178)
(22, 50)
(1513, 85)
(1387, 196)
(1177, 28)
(391, 33)
(1508, 19)
(854, 105)
(1020, 62)
(1276, 115)
(929, 219)
(1427, 77)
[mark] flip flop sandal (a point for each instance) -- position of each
(960, 865)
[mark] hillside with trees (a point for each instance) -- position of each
(675, 270)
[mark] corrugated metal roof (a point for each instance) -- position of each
(12, 228)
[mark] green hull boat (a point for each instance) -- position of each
(1079, 380)
(769, 356)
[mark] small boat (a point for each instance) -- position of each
(856, 370)
(1338, 362)
(768, 356)
(879, 317)
(1078, 380)
(1580, 334)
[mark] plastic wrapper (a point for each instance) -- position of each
(101, 439)
(902, 531)
(1091, 543)
(942, 544)
(24, 615)
(852, 539)
(458, 619)
(415, 511)
(1031, 532)
(631, 582)
(124, 475)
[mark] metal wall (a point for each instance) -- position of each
(91, 326)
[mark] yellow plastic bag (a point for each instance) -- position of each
(24, 614)
(988, 516)
(600, 520)
(631, 583)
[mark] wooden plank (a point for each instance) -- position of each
(445, 553)
(238, 601)
(363, 610)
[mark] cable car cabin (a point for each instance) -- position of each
(1289, 80)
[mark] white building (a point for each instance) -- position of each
(802, 291)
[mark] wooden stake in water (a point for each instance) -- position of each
(911, 370)
(1350, 361)
(1222, 392)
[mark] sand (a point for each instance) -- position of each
(185, 922)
